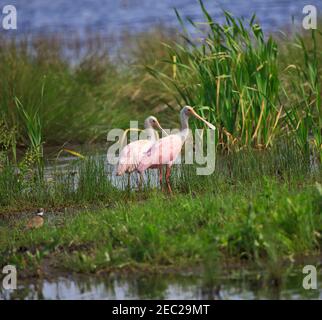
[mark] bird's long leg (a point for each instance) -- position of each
(140, 180)
(160, 177)
(167, 177)
(128, 181)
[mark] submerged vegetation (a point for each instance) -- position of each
(264, 200)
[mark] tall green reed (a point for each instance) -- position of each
(231, 76)
(33, 126)
(304, 116)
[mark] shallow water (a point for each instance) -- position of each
(242, 284)
(112, 16)
(64, 167)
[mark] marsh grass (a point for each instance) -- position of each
(76, 88)
(240, 80)
(269, 221)
(258, 205)
(81, 182)
(36, 75)
(91, 180)
(58, 90)
(262, 202)
(305, 115)
(255, 87)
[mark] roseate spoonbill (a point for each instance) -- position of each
(37, 221)
(166, 150)
(132, 153)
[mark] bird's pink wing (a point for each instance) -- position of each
(131, 155)
(164, 151)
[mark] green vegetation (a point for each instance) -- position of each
(89, 181)
(72, 89)
(260, 221)
(262, 203)
(55, 91)
(258, 205)
(256, 88)
(238, 78)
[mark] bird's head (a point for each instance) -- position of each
(152, 122)
(188, 111)
(40, 212)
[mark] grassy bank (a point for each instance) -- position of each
(265, 221)
(259, 206)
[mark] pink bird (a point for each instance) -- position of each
(132, 153)
(166, 150)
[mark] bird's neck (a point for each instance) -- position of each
(184, 122)
(151, 133)
(184, 127)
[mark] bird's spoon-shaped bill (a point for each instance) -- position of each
(211, 126)
(159, 126)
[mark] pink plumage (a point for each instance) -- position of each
(131, 156)
(132, 153)
(166, 150)
(162, 152)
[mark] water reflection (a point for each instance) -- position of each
(238, 285)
